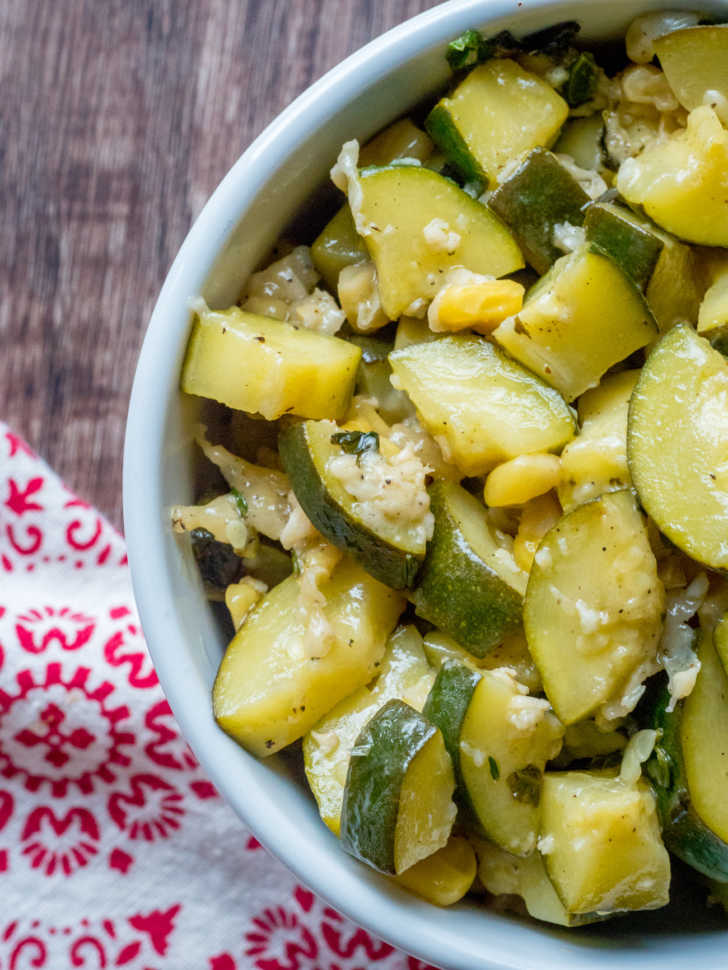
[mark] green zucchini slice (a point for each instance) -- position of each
(601, 843)
(256, 364)
(695, 62)
(390, 547)
(499, 111)
(534, 200)
(677, 444)
(720, 642)
(595, 462)
(704, 738)
(681, 181)
(398, 806)
(419, 225)
(404, 673)
(276, 680)
(338, 245)
(582, 139)
(484, 406)
(511, 652)
(688, 768)
(713, 313)
(444, 877)
(627, 239)
(663, 268)
(579, 320)
(373, 381)
(469, 585)
(503, 873)
(589, 637)
(499, 740)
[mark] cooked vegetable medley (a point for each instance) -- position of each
(465, 491)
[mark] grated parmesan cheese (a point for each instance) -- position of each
(440, 238)
(526, 712)
(675, 651)
(387, 490)
(567, 237)
(546, 844)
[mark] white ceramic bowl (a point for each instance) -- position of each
(242, 219)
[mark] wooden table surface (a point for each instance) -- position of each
(117, 120)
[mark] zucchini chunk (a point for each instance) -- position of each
(682, 181)
(720, 642)
(579, 320)
(595, 462)
(412, 330)
(280, 675)
(398, 806)
(338, 245)
(582, 139)
(601, 843)
(663, 268)
(498, 111)
(389, 542)
(677, 444)
(483, 405)
(589, 637)
(419, 225)
(713, 313)
(624, 237)
(511, 652)
(256, 364)
(695, 62)
(534, 200)
(469, 585)
(499, 740)
(403, 139)
(688, 768)
(405, 674)
(444, 877)
(502, 873)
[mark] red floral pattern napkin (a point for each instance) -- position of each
(115, 850)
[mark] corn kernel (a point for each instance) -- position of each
(539, 515)
(480, 306)
(241, 597)
(521, 479)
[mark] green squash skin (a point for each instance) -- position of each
(441, 129)
(384, 750)
(458, 592)
(633, 248)
(446, 707)
(684, 832)
(392, 566)
(537, 196)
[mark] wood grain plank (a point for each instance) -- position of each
(117, 120)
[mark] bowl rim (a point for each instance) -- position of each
(362, 900)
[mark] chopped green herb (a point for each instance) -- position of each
(494, 769)
(525, 784)
(582, 82)
(466, 50)
(356, 442)
(242, 505)
(471, 48)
